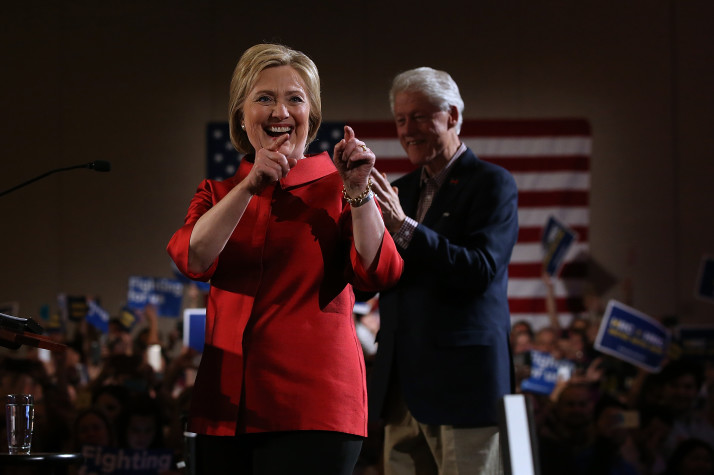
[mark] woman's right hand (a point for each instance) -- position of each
(212, 230)
(269, 166)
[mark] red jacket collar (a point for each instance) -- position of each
(310, 168)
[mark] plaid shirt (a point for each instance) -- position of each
(429, 187)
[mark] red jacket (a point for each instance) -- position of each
(281, 351)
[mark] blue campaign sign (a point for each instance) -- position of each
(121, 461)
(557, 240)
(98, 317)
(164, 294)
(632, 336)
(705, 282)
(194, 328)
(202, 286)
(545, 371)
(696, 341)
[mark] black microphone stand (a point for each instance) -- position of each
(98, 166)
(16, 331)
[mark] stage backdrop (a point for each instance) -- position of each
(550, 161)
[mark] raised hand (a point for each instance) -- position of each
(270, 166)
(354, 161)
(388, 198)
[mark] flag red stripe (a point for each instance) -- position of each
(534, 234)
(535, 270)
(394, 165)
(576, 163)
(537, 305)
(489, 128)
(531, 164)
(514, 165)
(525, 128)
(559, 198)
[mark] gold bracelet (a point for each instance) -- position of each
(362, 198)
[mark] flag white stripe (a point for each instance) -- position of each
(497, 147)
(541, 320)
(386, 148)
(542, 181)
(537, 217)
(533, 252)
(392, 176)
(529, 146)
(535, 287)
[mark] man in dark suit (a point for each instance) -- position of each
(443, 360)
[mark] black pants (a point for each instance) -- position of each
(278, 453)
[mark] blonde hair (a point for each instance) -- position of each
(253, 61)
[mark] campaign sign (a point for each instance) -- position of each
(545, 371)
(632, 336)
(77, 307)
(164, 294)
(696, 342)
(705, 282)
(109, 460)
(98, 317)
(194, 328)
(202, 286)
(557, 240)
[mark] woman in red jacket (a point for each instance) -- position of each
(281, 385)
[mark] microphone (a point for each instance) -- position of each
(97, 165)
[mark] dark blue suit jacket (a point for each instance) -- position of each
(445, 325)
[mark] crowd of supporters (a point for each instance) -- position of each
(606, 417)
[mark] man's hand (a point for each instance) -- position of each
(388, 199)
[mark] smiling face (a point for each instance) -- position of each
(426, 131)
(278, 104)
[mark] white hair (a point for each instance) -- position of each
(437, 85)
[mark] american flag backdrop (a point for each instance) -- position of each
(550, 161)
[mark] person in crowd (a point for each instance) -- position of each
(118, 339)
(612, 426)
(572, 341)
(682, 382)
(521, 345)
(691, 457)
(567, 429)
(141, 426)
(644, 449)
(443, 361)
(52, 404)
(111, 400)
(547, 340)
(92, 427)
(130, 371)
(280, 387)
(575, 348)
(147, 341)
(177, 422)
(521, 327)
(521, 342)
(522, 336)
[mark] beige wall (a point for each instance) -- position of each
(136, 82)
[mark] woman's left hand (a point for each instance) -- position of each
(354, 160)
